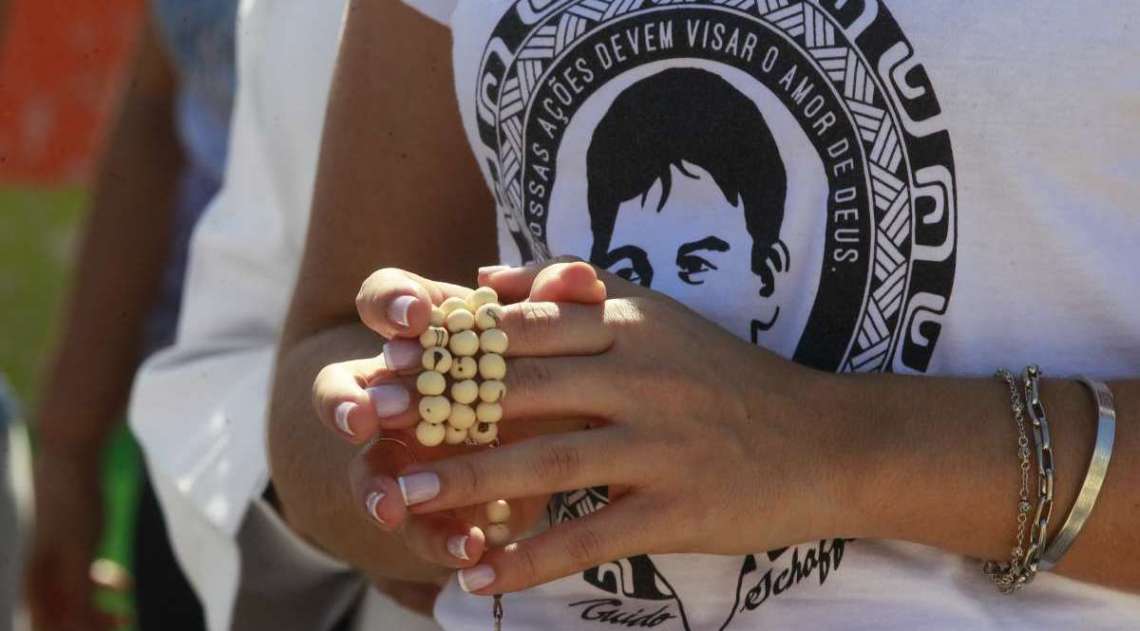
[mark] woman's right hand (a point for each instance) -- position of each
(365, 398)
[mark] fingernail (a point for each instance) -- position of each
(491, 269)
(476, 578)
(373, 503)
(418, 488)
(398, 310)
(402, 354)
(457, 546)
(342, 412)
(389, 399)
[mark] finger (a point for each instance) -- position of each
(358, 398)
(396, 303)
(442, 538)
(540, 388)
(617, 531)
(538, 329)
(568, 282)
(513, 284)
(534, 467)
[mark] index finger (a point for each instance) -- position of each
(397, 303)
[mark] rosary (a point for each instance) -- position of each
(465, 347)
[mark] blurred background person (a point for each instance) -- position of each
(163, 164)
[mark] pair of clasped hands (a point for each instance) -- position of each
(696, 432)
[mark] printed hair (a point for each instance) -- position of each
(688, 115)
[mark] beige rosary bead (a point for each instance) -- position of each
(437, 359)
(464, 344)
(460, 320)
(464, 368)
(461, 417)
(489, 316)
(434, 336)
(492, 391)
(454, 436)
(492, 366)
(498, 535)
(489, 412)
(484, 433)
(480, 297)
(465, 391)
(451, 304)
(498, 512)
(435, 409)
(438, 317)
(430, 383)
(430, 434)
(493, 341)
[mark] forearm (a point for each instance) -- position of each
(396, 187)
(122, 253)
(940, 468)
(310, 464)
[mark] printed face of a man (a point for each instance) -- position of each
(697, 249)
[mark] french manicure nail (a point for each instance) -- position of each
(342, 412)
(398, 310)
(373, 503)
(457, 546)
(418, 488)
(491, 269)
(476, 578)
(402, 354)
(389, 399)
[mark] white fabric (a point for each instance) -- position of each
(1019, 188)
(199, 407)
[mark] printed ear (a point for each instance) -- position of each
(781, 260)
(774, 260)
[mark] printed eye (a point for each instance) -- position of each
(691, 266)
(629, 262)
(629, 273)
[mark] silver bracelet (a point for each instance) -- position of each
(1005, 576)
(1094, 479)
(1043, 446)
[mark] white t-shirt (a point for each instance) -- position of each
(938, 187)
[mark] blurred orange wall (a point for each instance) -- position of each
(61, 67)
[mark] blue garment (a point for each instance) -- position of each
(199, 39)
(8, 408)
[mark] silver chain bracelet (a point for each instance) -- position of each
(1005, 575)
(1043, 445)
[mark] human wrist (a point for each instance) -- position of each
(828, 413)
(880, 462)
(853, 453)
(933, 458)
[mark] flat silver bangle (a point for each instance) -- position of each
(1098, 469)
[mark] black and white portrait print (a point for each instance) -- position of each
(779, 166)
(688, 191)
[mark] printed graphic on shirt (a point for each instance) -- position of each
(781, 166)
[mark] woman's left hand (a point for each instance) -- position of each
(718, 446)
